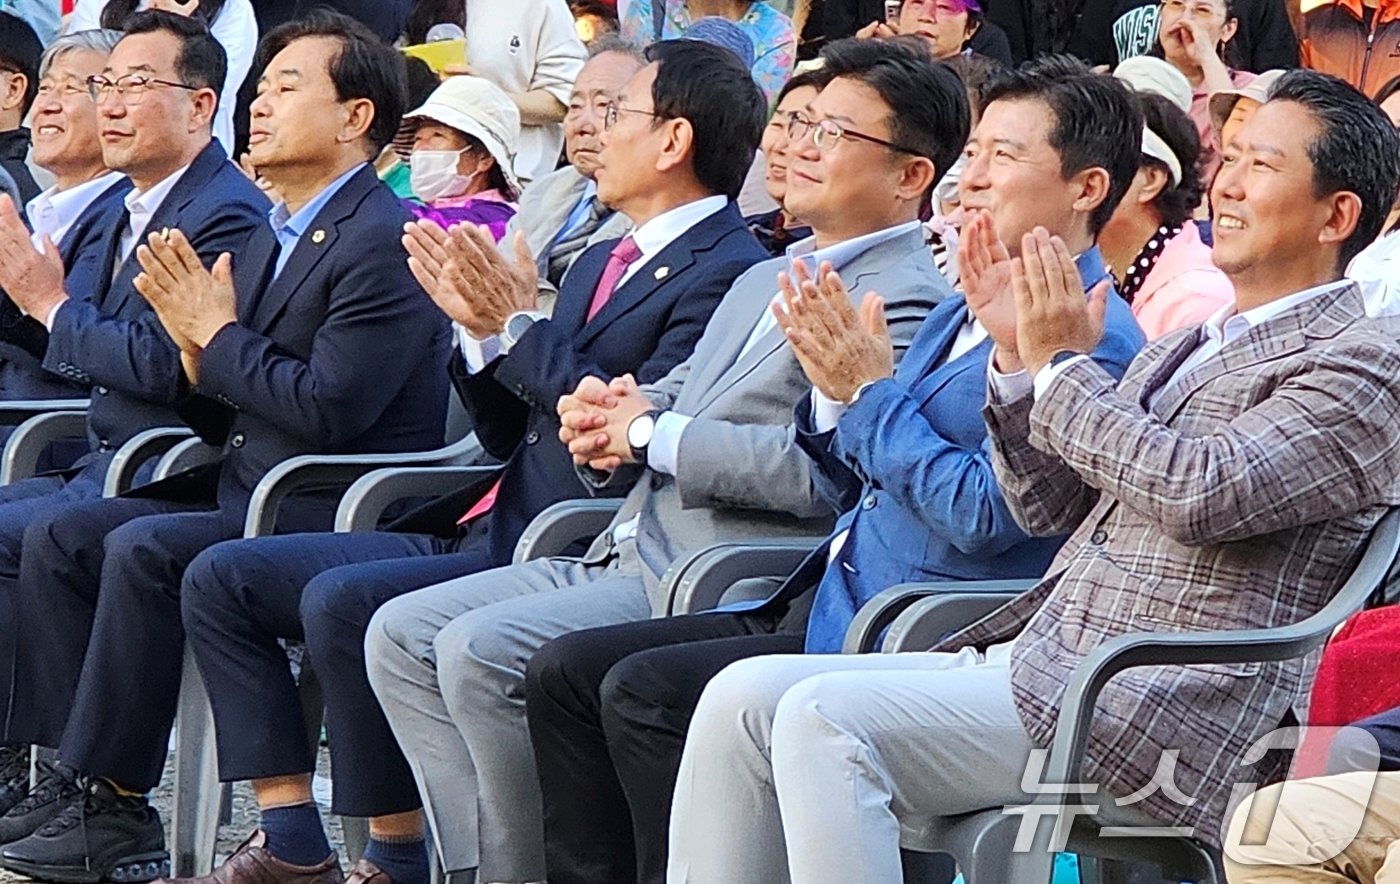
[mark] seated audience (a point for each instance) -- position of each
(1194, 36)
(1181, 522)
(392, 164)
(92, 327)
(464, 140)
(1263, 40)
(948, 28)
(608, 708)
(560, 214)
(1351, 41)
(19, 83)
(770, 31)
(778, 229)
(710, 448)
(673, 178)
(313, 339)
(1164, 271)
(74, 214)
(231, 22)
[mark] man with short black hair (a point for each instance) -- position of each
(308, 337)
(20, 50)
(1228, 482)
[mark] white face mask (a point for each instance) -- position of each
(433, 174)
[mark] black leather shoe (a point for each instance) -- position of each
(101, 837)
(57, 788)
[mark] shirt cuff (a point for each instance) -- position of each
(478, 353)
(826, 412)
(1002, 387)
(665, 448)
(1048, 373)
(53, 312)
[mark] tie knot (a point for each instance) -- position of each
(626, 250)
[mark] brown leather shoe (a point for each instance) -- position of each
(252, 864)
(366, 872)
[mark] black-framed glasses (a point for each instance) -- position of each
(129, 88)
(613, 109)
(826, 134)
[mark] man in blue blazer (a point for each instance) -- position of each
(313, 337)
(904, 453)
(76, 213)
(512, 366)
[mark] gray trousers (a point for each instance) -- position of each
(804, 767)
(448, 665)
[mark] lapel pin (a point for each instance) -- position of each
(318, 237)
(661, 272)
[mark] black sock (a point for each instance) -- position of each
(404, 860)
(295, 835)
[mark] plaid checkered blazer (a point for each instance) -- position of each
(1240, 498)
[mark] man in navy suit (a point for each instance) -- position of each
(314, 338)
(512, 366)
(75, 213)
(83, 318)
(904, 453)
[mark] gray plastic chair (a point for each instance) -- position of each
(38, 423)
(198, 795)
(982, 841)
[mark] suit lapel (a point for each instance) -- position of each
(937, 333)
(1323, 316)
(861, 267)
(676, 258)
(577, 287)
(315, 243)
(254, 270)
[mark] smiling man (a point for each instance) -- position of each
(75, 213)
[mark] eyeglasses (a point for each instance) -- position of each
(827, 133)
(613, 109)
(130, 88)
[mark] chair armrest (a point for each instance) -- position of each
(27, 443)
(927, 621)
(310, 471)
(1377, 570)
(551, 532)
(863, 635)
(145, 445)
(17, 410)
(184, 456)
(366, 500)
(697, 582)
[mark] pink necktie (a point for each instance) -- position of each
(624, 254)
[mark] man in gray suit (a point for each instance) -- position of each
(1228, 482)
(560, 213)
(713, 445)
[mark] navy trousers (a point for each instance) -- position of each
(100, 638)
(240, 597)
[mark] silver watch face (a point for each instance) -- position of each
(518, 325)
(639, 431)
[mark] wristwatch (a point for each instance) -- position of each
(1062, 356)
(639, 433)
(516, 326)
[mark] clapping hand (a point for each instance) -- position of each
(192, 303)
(984, 265)
(1052, 313)
(466, 275)
(32, 279)
(839, 351)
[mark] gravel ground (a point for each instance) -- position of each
(245, 814)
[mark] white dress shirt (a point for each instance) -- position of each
(53, 212)
(651, 239)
